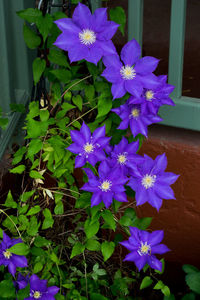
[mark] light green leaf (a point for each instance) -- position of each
(35, 174)
(109, 219)
(107, 249)
(34, 210)
(77, 249)
(31, 39)
(34, 147)
(25, 196)
(9, 201)
(18, 170)
(104, 105)
(37, 267)
(147, 281)
(93, 245)
(159, 285)
(166, 291)
(193, 281)
(38, 68)
(19, 249)
(48, 221)
(118, 15)
(91, 228)
(78, 101)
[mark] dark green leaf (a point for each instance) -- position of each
(190, 269)
(77, 249)
(193, 281)
(147, 281)
(78, 101)
(38, 68)
(30, 14)
(58, 57)
(104, 105)
(118, 15)
(93, 245)
(91, 228)
(44, 24)
(31, 39)
(7, 289)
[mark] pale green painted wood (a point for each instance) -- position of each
(95, 4)
(176, 49)
(135, 20)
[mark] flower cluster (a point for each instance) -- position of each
(38, 287)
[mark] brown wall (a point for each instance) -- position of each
(180, 218)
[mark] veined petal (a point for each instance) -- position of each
(67, 24)
(96, 199)
(85, 131)
(141, 196)
(99, 18)
(107, 47)
(112, 74)
(78, 52)
(12, 268)
(80, 161)
(167, 178)
(121, 197)
(154, 263)
(160, 163)
(19, 261)
(103, 169)
(146, 65)
(131, 52)
(107, 31)
(36, 283)
(77, 137)
(134, 87)
(129, 246)
(118, 90)
(124, 124)
(156, 237)
(112, 61)
(154, 200)
(133, 256)
(99, 133)
(53, 290)
(82, 16)
(107, 198)
(164, 191)
(74, 148)
(149, 81)
(95, 53)
(159, 249)
(66, 40)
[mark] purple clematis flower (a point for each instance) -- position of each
(150, 182)
(108, 186)
(124, 156)
(88, 147)
(152, 99)
(21, 281)
(9, 259)
(133, 74)
(143, 245)
(87, 36)
(39, 289)
(133, 116)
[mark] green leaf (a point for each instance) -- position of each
(54, 258)
(95, 296)
(9, 201)
(78, 101)
(147, 281)
(77, 249)
(58, 57)
(83, 201)
(19, 249)
(44, 115)
(38, 68)
(7, 289)
(18, 170)
(93, 245)
(34, 147)
(31, 39)
(118, 15)
(48, 221)
(30, 14)
(36, 175)
(89, 92)
(193, 281)
(190, 269)
(166, 291)
(104, 105)
(18, 155)
(159, 285)
(41, 241)
(44, 24)
(107, 249)
(91, 228)
(59, 209)
(62, 75)
(25, 196)
(37, 267)
(3, 123)
(17, 107)
(34, 210)
(109, 219)
(190, 296)
(33, 226)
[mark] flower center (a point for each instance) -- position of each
(37, 295)
(87, 37)
(106, 185)
(7, 254)
(149, 95)
(122, 159)
(88, 148)
(135, 113)
(148, 181)
(127, 72)
(144, 249)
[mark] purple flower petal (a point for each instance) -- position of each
(85, 131)
(164, 192)
(94, 54)
(107, 198)
(96, 199)
(130, 52)
(134, 87)
(112, 75)
(80, 161)
(129, 246)
(159, 249)
(99, 18)
(154, 263)
(19, 261)
(12, 268)
(108, 30)
(67, 24)
(37, 284)
(118, 90)
(53, 290)
(112, 61)
(160, 163)
(74, 148)
(141, 196)
(149, 81)
(154, 200)
(121, 197)
(78, 52)
(82, 16)
(146, 65)
(107, 47)
(156, 237)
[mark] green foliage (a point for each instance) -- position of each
(38, 68)
(118, 15)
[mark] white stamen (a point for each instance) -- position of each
(7, 254)
(149, 95)
(144, 249)
(148, 181)
(127, 72)
(105, 185)
(122, 158)
(37, 295)
(88, 148)
(135, 113)
(87, 37)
